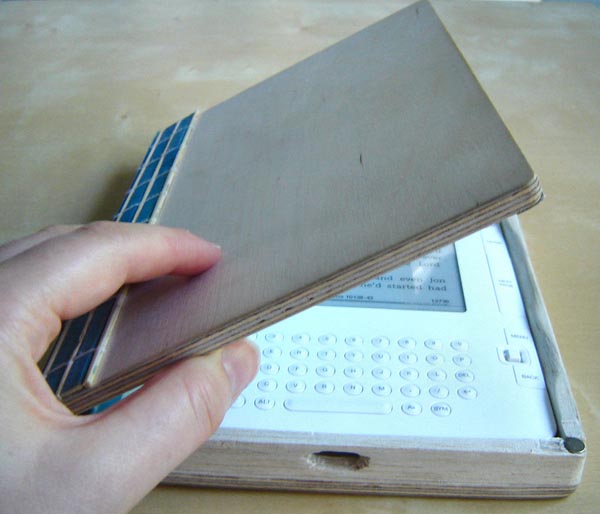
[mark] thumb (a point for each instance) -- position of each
(149, 433)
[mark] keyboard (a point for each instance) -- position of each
(328, 373)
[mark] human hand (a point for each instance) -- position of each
(54, 461)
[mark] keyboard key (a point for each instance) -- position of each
(273, 337)
(380, 342)
(439, 391)
(462, 360)
(353, 388)
(326, 355)
(441, 409)
(264, 403)
(353, 372)
(353, 356)
(272, 352)
(382, 389)
(437, 375)
(326, 370)
(408, 358)
(295, 386)
(464, 375)
(409, 374)
(301, 338)
(410, 390)
(299, 353)
(467, 392)
(324, 387)
(333, 405)
(239, 402)
(381, 357)
(408, 343)
(353, 341)
(435, 359)
(269, 368)
(459, 345)
(381, 373)
(327, 339)
(433, 344)
(267, 385)
(297, 370)
(412, 408)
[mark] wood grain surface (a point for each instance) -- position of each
(356, 160)
(84, 87)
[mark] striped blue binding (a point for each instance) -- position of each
(73, 350)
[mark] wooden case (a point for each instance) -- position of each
(491, 468)
(360, 158)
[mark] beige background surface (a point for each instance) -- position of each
(84, 86)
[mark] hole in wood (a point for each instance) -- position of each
(339, 460)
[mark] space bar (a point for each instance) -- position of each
(337, 406)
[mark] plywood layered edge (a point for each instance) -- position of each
(452, 230)
(391, 466)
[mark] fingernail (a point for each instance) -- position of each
(201, 239)
(210, 244)
(240, 361)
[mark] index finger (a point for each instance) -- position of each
(70, 274)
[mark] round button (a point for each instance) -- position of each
(299, 353)
(468, 393)
(264, 403)
(381, 389)
(408, 343)
(380, 342)
(459, 345)
(353, 372)
(410, 390)
(326, 355)
(272, 352)
(353, 356)
(269, 368)
(409, 374)
(462, 360)
(435, 359)
(267, 385)
(437, 375)
(439, 392)
(441, 409)
(324, 387)
(354, 341)
(433, 344)
(326, 370)
(273, 337)
(412, 408)
(297, 370)
(301, 338)
(239, 402)
(408, 358)
(327, 339)
(381, 357)
(381, 373)
(464, 375)
(295, 386)
(353, 388)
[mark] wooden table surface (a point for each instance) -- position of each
(84, 86)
